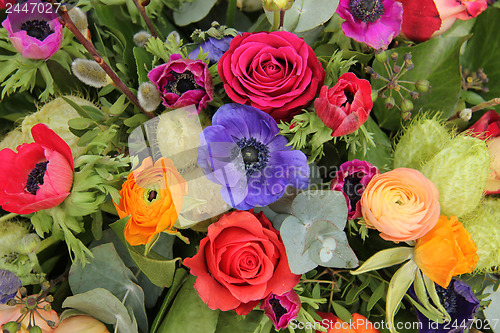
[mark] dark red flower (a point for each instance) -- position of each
(241, 261)
(183, 82)
(276, 72)
(38, 176)
(345, 106)
(488, 126)
(3, 3)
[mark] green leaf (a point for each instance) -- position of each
(117, 107)
(180, 320)
(104, 306)
(399, 284)
(436, 60)
(307, 14)
(80, 123)
(376, 296)
(143, 61)
(341, 312)
(87, 137)
(483, 50)
(230, 322)
(298, 260)
(108, 271)
(191, 12)
(385, 258)
(136, 120)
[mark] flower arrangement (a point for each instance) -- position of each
(249, 166)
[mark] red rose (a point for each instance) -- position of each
(276, 72)
(3, 3)
(345, 106)
(488, 126)
(39, 176)
(240, 262)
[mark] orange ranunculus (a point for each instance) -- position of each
(445, 251)
(81, 324)
(152, 195)
(402, 204)
(359, 324)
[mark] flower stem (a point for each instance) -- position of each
(231, 9)
(47, 242)
(8, 217)
(144, 15)
(68, 23)
(282, 18)
(276, 21)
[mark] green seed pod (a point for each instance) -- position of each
(422, 85)
(423, 139)
(28, 244)
(459, 171)
(389, 102)
(35, 329)
(484, 228)
(381, 56)
(11, 327)
(406, 105)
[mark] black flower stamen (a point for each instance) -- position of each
(37, 29)
(35, 178)
(183, 82)
(367, 10)
(278, 309)
(351, 188)
(255, 154)
(349, 98)
(448, 298)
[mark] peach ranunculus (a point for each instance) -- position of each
(402, 204)
(152, 195)
(12, 313)
(81, 324)
(359, 324)
(445, 251)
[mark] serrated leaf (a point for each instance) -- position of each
(106, 270)
(104, 306)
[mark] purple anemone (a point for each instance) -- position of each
(351, 180)
(182, 82)
(460, 303)
(9, 284)
(281, 309)
(36, 34)
(373, 22)
(243, 152)
(215, 48)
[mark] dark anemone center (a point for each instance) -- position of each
(152, 195)
(349, 97)
(182, 82)
(37, 29)
(351, 188)
(367, 10)
(35, 178)
(448, 298)
(278, 309)
(255, 154)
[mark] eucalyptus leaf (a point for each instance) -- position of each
(191, 12)
(106, 270)
(307, 14)
(292, 233)
(104, 306)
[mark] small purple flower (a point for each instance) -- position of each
(243, 152)
(373, 22)
(351, 180)
(215, 48)
(9, 284)
(182, 82)
(281, 309)
(460, 303)
(36, 34)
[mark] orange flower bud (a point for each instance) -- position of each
(152, 195)
(445, 251)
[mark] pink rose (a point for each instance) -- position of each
(276, 72)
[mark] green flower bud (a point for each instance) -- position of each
(275, 5)
(406, 105)
(484, 228)
(11, 327)
(141, 38)
(423, 139)
(249, 5)
(35, 329)
(422, 85)
(56, 115)
(465, 114)
(29, 244)
(90, 73)
(389, 102)
(149, 96)
(459, 171)
(381, 56)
